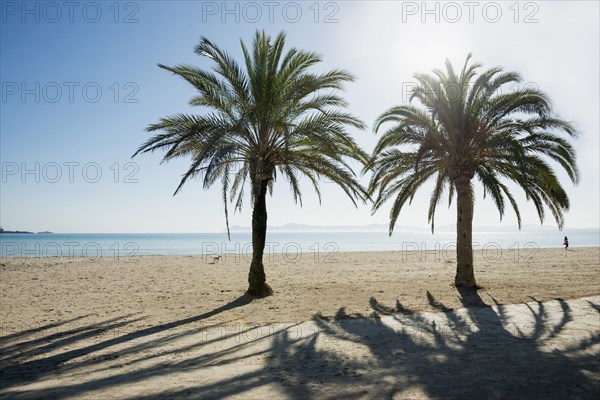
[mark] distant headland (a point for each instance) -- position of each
(3, 231)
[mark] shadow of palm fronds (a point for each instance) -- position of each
(534, 350)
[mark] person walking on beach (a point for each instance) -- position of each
(566, 243)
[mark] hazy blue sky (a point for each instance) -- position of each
(80, 84)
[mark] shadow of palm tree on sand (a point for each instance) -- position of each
(486, 351)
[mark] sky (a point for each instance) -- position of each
(80, 83)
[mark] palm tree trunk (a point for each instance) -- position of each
(465, 276)
(257, 280)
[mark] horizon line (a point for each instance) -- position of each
(428, 230)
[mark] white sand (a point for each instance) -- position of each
(176, 327)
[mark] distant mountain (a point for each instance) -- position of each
(292, 227)
(501, 228)
(328, 228)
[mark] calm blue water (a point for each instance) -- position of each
(131, 244)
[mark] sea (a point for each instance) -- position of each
(289, 244)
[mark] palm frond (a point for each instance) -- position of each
(465, 124)
(268, 115)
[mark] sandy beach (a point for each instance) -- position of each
(353, 325)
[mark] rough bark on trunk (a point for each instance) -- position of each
(465, 276)
(257, 281)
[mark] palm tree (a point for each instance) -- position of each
(270, 116)
(467, 126)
